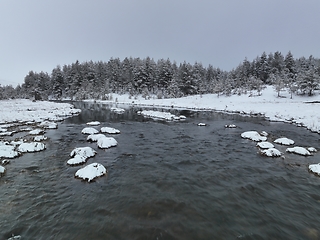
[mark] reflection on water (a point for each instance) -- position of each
(166, 180)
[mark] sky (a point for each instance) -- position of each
(38, 35)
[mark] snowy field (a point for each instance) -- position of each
(297, 110)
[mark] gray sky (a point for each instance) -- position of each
(38, 35)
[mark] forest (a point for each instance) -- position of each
(166, 79)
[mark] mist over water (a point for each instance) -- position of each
(165, 180)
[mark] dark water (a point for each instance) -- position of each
(165, 181)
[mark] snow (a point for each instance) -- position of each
(264, 133)
(109, 130)
(265, 145)
(230, 126)
(31, 147)
(2, 169)
(315, 168)
(91, 171)
(299, 150)
(117, 110)
(160, 115)
(89, 130)
(36, 132)
(271, 152)
(284, 141)
(7, 151)
(80, 155)
(312, 149)
(273, 108)
(95, 137)
(94, 123)
(48, 125)
(40, 138)
(6, 133)
(107, 142)
(254, 136)
(23, 110)
(202, 124)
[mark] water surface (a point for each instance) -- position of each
(165, 180)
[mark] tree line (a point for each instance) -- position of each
(166, 79)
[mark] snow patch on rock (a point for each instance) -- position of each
(265, 145)
(315, 168)
(48, 125)
(109, 130)
(107, 142)
(271, 152)
(95, 137)
(94, 123)
(89, 130)
(254, 136)
(91, 171)
(31, 147)
(80, 155)
(284, 141)
(299, 150)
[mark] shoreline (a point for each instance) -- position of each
(300, 111)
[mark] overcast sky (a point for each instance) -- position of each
(38, 35)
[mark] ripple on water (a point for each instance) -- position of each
(164, 181)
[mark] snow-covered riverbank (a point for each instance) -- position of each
(298, 110)
(23, 110)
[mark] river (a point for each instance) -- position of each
(165, 180)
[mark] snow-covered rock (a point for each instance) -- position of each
(271, 152)
(48, 125)
(8, 151)
(254, 136)
(264, 133)
(6, 133)
(117, 110)
(77, 159)
(312, 149)
(91, 171)
(230, 126)
(80, 155)
(265, 145)
(158, 115)
(89, 130)
(201, 124)
(315, 168)
(182, 117)
(36, 132)
(107, 142)
(5, 162)
(95, 137)
(17, 142)
(40, 138)
(2, 170)
(31, 147)
(94, 123)
(299, 150)
(284, 141)
(109, 130)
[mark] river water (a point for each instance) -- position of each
(165, 180)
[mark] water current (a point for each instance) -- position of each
(165, 180)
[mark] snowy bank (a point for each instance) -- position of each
(296, 110)
(23, 110)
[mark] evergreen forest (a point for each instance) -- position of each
(167, 79)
